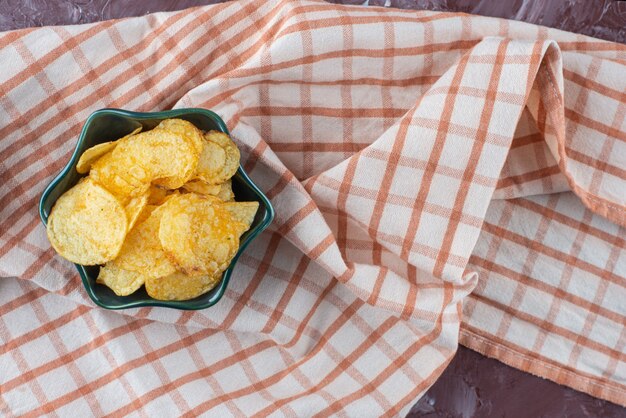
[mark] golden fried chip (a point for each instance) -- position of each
(198, 235)
(200, 187)
(211, 162)
(92, 154)
(122, 282)
(158, 155)
(170, 194)
(167, 158)
(87, 224)
(184, 129)
(231, 157)
(242, 211)
(111, 173)
(134, 208)
(142, 251)
(226, 192)
(223, 191)
(179, 286)
(156, 195)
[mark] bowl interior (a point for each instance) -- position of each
(110, 124)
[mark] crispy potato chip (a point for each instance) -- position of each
(142, 251)
(242, 211)
(170, 194)
(122, 282)
(211, 162)
(185, 130)
(223, 191)
(198, 235)
(200, 187)
(110, 172)
(134, 209)
(226, 192)
(156, 195)
(157, 155)
(92, 154)
(87, 224)
(179, 286)
(231, 158)
(167, 158)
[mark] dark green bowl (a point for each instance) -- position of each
(109, 124)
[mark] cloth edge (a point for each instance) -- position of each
(539, 368)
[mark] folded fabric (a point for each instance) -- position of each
(436, 177)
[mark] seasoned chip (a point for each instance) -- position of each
(179, 286)
(156, 195)
(122, 282)
(211, 162)
(198, 235)
(111, 173)
(92, 154)
(157, 155)
(87, 224)
(134, 208)
(142, 251)
(231, 157)
(165, 157)
(200, 187)
(184, 129)
(226, 192)
(242, 211)
(223, 191)
(170, 194)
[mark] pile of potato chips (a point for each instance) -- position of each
(156, 209)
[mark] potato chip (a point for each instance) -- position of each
(156, 195)
(184, 129)
(87, 224)
(179, 286)
(122, 282)
(223, 191)
(242, 211)
(198, 235)
(165, 157)
(170, 194)
(226, 192)
(111, 173)
(231, 158)
(92, 154)
(200, 187)
(134, 208)
(211, 162)
(142, 251)
(142, 158)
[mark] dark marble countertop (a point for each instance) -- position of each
(473, 385)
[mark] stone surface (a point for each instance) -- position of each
(473, 385)
(477, 386)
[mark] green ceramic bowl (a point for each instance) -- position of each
(109, 124)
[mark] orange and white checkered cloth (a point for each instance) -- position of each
(438, 178)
